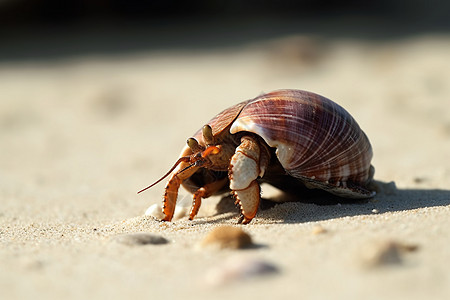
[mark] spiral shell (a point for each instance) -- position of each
(315, 140)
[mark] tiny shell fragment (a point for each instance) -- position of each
(318, 230)
(227, 237)
(140, 238)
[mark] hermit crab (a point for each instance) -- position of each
(287, 138)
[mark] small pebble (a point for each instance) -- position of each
(180, 212)
(384, 253)
(227, 237)
(420, 179)
(32, 264)
(155, 211)
(375, 211)
(237, 269)
(318, 230)
(140, 238)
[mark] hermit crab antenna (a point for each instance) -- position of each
(180, 160)
(188, 167)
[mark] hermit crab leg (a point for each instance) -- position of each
(180, 174)
(204, 192)
(170, 197)
(243, 171)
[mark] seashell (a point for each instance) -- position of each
(287, 138)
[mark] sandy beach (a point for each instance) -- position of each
(80, 135)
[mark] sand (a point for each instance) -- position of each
(79, 136)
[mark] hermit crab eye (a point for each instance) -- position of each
(208, 135)
(192, 143)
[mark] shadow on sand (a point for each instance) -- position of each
(322, 206)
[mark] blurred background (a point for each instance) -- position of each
(98, 97)
(39, 29)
